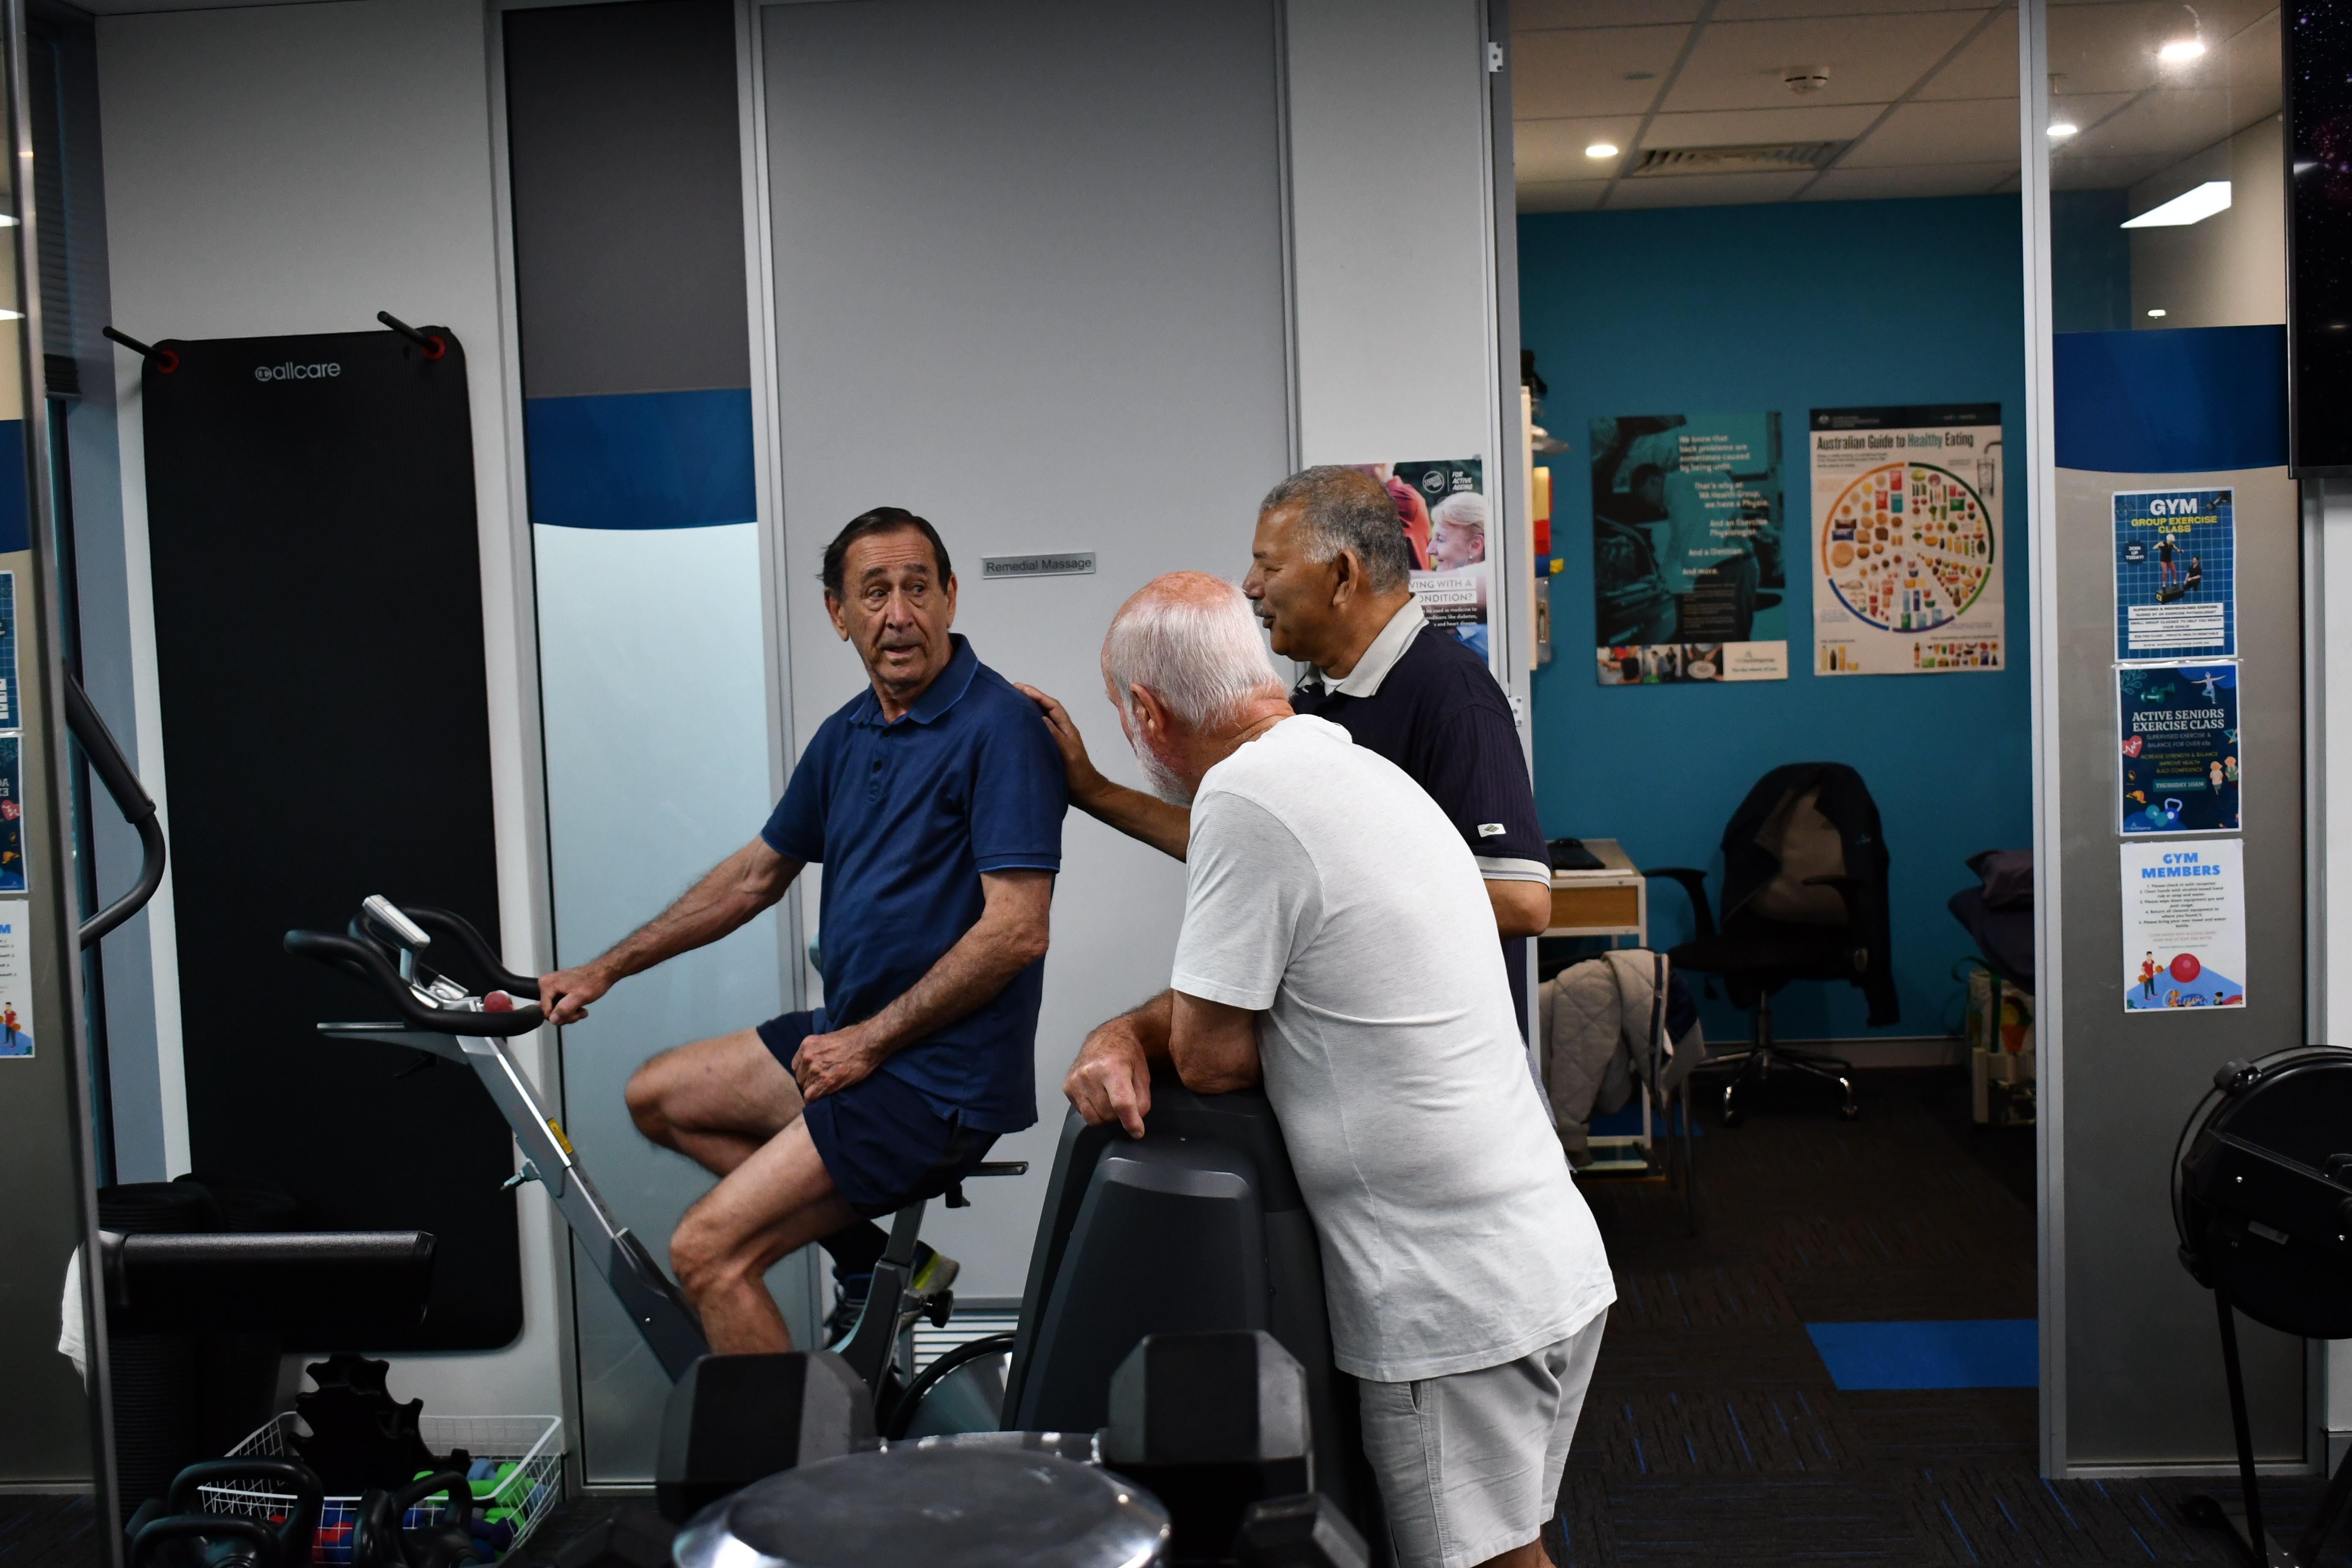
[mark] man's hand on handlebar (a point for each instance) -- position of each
(564, 995)
(1112, 1079)
(827, 1064)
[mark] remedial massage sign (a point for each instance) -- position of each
(2184, 925)
(1906, 540)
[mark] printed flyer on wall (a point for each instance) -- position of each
(1688, 574)
(1442, 506)
(12, 814)
(15, 978)
(1906, 540)
(10, 717)
(2179, 727)
(2184, 925)
(2176, 574)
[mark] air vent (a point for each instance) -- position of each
(1757, 158)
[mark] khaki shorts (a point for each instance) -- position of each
(1469, 1465)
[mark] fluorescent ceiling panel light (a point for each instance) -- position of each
(8, 220)
(2180, 49)
(12, 315)
(2189, 207)
(2060, 129)
(1601, 149)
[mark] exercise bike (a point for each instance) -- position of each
(386, 945)
(1197, 1227)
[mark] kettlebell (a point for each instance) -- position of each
(295, 1532)
(223, 1541)
(378, 1542)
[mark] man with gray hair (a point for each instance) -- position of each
(1329, 576)
(1334, 948)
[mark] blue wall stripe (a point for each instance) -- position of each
(640, 459)
(2191, 400)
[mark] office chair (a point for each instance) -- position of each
(1804, 898)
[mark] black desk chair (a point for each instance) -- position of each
(1804, 898)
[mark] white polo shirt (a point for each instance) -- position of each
(1326, 891)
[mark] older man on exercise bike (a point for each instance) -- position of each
(934, 800)
(1338, 946)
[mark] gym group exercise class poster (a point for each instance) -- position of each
(2176, 574)
(2179, 727)
(15, 978)
(2184, 925)
(1906, 540)
(1442, 506)
(1688, 575)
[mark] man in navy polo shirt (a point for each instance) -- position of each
(934, 800)
(1327, 577)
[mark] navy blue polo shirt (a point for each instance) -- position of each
(1438, 713)
(904, 817)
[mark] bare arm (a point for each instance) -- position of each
(1521, 908)
(1010, 935)
(738, 887)
(1214, 1048)
(1165, 827)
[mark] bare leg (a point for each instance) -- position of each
(776, 1202)
(716, 1101)
(1532, 1555)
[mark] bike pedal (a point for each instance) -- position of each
(942, 1308)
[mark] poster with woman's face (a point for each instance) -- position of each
(1441, 506)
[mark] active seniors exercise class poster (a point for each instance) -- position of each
(1442, 506)
(2176, 574)
(1688, 574)
(2184, 925)
(2179, 727)
(1906, 540)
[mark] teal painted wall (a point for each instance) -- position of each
(1788, 308)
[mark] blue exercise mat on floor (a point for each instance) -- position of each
(1971, 1352)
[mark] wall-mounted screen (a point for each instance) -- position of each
(2320, 238)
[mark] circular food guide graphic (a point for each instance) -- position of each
(1908, 546)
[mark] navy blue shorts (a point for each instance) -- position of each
(881, 1143)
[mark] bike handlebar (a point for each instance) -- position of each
(356, 957)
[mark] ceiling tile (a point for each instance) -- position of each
(1562, 196)
(1532, 16)
(1976, 131)
(1843, 184)
(2174, 124)
(1564, 74)
(1746, 127)
(1545, 150)
(2080, 109)
(2113, 47)
(1985, 67)
(1767, 10)
(2255, 73)
(1706, 190)
(1871, 59)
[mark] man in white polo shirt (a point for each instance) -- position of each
(1339, 946)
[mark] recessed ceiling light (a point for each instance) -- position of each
(2062, 129)
(2156, 313)
(1601, 149)
(2180, 49)
(2189, 207)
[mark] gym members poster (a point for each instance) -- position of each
(1688, 575)
(1442, 506)
(15, 978)
(1906, 540)
(2176, 574)
(2184, 925)
(2179, 727)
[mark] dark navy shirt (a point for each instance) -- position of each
(904, 817)
(1436, 711)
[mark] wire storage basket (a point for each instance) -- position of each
(519, 1460)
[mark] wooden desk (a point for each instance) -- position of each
(1614, 901)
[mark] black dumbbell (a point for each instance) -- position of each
(213, 1540)
(1208, 1424)
(1304, 1531)
(735, 1419)
(378, 1541)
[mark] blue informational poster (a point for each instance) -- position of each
(2179, 727)
(2175, 575)
(12, 814)
(11, 716)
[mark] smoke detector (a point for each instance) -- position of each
(1803, 81)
